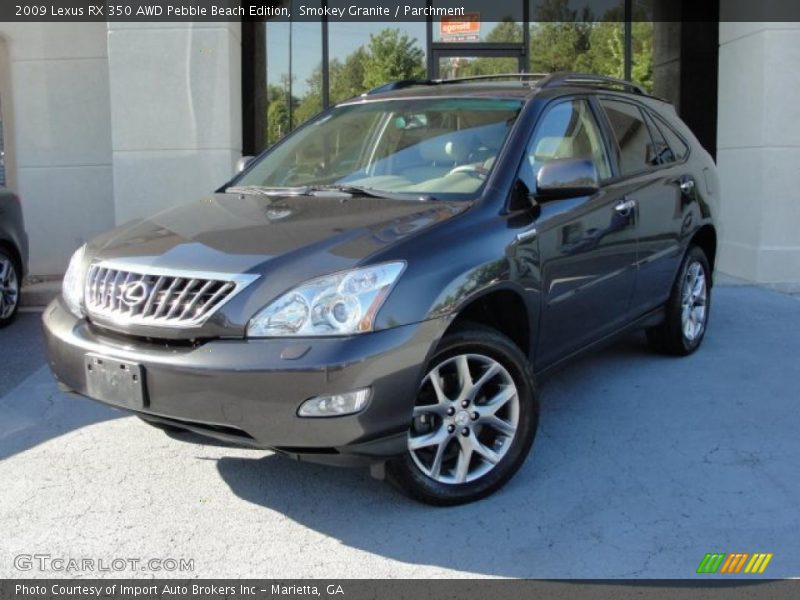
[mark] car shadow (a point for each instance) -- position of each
(37, 412)
(32, 410)
(503, 535)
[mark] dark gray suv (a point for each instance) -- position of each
(385, 285)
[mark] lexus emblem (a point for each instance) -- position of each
(135, 294)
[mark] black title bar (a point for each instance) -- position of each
(402, 10)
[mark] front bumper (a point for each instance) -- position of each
(248, 391)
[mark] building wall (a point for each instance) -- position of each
(758, 151)
(60, 149)
(175, 112)
(107, 123)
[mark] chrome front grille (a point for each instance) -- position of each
(158, 298)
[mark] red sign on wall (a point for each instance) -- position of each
(461, 29)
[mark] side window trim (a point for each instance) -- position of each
(655, 132)
(661, 124)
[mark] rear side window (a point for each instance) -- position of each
(679, 148)
(661, 154)
(636, 149)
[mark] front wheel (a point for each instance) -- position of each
(473, 422)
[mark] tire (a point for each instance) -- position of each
(10, 284)
(161, 426)
(676, 335)
(473, 454)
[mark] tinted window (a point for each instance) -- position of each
(633, 137)
(568, 130)
(661, 154)
(676, 144)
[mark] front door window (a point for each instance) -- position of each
(568, 130)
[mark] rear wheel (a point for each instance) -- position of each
(687, 310)
(9, 288)
(474, 420)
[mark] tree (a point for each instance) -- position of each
(347, 79)
(507, 30)
(277, 113)
(392, 55)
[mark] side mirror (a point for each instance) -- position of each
(242, 163)
(566, 178)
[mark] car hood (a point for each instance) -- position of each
(284, 240)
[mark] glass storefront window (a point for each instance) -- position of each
(278, 80)
(642, 60)
(507, 31)
(569, 36)
(642, 42)
(306, 68)
(294, 67)
(470, 28)
(565, 35)
(365, 55)
(451, 67)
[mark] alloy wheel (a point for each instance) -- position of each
(9, 288)
(694, 299)
(465, 419)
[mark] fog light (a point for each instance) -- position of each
(335, 405)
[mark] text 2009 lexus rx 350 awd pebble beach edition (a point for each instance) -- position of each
(385, 284)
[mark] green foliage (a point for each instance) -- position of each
(277, 113)
(392, 55)
(566, 40)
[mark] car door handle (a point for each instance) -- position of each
(625, 207)
(687, 185)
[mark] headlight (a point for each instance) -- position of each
(72, 287)
(339, 304)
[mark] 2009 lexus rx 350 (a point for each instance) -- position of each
(385, 284)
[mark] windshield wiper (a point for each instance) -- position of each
(303, 190)
(308, 190)
(358, 190)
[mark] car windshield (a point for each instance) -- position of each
(442, 148)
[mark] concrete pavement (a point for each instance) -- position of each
(642, 465)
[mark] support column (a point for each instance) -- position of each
(759, 151)
(176, 112)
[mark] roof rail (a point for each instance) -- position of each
(404, 83)
(557, 79)
(543, 80)
(396, 85)
(520, 76)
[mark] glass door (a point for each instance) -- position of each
(451, 65)
(467, 45)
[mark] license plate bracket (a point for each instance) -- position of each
(118, 382)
